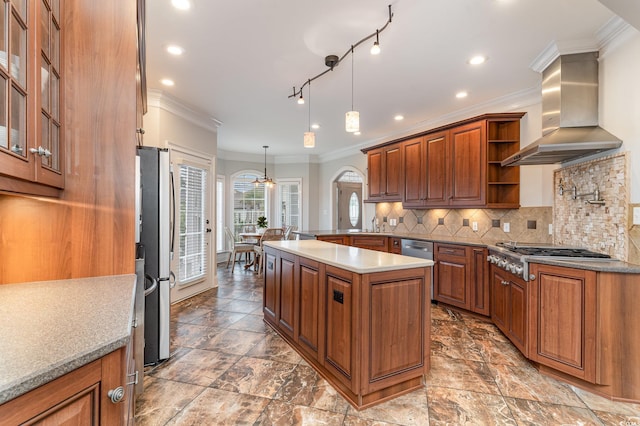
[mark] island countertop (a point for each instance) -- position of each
(361, 261)
(50, 328)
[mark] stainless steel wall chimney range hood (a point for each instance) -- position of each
(569, 114)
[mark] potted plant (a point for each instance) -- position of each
(261, 224)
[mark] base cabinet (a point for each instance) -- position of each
(563, 320)
(80, 397)
(367, 334)
(461, 277)
(509, 307)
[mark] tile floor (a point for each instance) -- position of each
(228, 367)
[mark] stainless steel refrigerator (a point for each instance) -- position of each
(156, 238)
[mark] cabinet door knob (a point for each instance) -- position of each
(532, 277)
(116, 395)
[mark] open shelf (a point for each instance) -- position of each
(503, 183)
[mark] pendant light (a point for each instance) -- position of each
(375, 49)
(265, 179)
(309, 137)
(352, 118)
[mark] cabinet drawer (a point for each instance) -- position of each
(442, 250)
(370, 242)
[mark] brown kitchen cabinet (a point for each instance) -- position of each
(340, 324)
(336, 239)
(460, 277)
(395, 245)
(509, 307)
(457, 165)
(370, 242)
(384, 167)
(31, 141)
(80, 397)
(562, 320)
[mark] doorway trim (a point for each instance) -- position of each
(332, 193)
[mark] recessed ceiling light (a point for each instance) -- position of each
(315, 126)
(461, 95)
(357, 133)
(398, 117)
(167, 82)
(477, 60)
(181, 4)
(175, 50)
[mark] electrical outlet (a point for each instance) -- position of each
(506, 227)
(636, 215)
(474, 226)
(551, 229)
(392, 222)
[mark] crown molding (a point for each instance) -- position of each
(614, 33)
(271, 159)
(159, 99)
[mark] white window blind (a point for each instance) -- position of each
(193, 238)
(290, 202)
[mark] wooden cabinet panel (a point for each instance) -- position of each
(509, 307)
(336, 239)
(270, 286)
(371, 242)
(518, 315)
(338, 325)
(401, 346)
(437, 169)
(563, 319)
(384, 169)
(286, 299)
(414, 164)
(480, 281)
(395, 245)
(374, 167)
(82, 409)
(451, 275)
(468, 165)
(309, 307)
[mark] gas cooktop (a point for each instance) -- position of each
(552, 251)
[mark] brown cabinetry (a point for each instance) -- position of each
(395, 245)
(384, 167)
(509, 307)
(80, 397)
(460, 277)
(31, 145)
(336, 239)
(341, 325)
(563, 320)
(457, 165)
(371, 242)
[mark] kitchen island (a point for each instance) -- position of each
(65, 345)
(360, 318)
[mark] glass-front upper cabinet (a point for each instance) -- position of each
(31, 147)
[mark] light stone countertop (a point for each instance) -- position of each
(361, 261)
(50, 328)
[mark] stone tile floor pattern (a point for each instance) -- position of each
(228, 368)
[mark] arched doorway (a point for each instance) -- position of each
(348, 196)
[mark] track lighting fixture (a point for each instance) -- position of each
(352, 118)
(265, 179)
(300, 100)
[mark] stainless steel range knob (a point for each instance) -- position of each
(519, 270)
(502, 263)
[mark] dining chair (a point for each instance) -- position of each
(270, 234)
(237, 248)
(288, 231)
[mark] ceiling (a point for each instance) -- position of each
(242, 60)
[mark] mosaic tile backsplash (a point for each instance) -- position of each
(527, 224)
(604, 228)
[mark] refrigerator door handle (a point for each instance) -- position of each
(154, 285)
(172, 279)
(173, 215)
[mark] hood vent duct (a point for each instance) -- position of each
(569, 114)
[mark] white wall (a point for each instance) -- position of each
(620, 100)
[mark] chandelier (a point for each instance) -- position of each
(265, 179)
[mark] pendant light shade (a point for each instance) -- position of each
(309, 139)
(352, 121)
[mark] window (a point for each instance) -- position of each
(249, 201)
(193, 238)
(290, 202)
(220, 214)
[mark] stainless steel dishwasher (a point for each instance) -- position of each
(421, 249)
